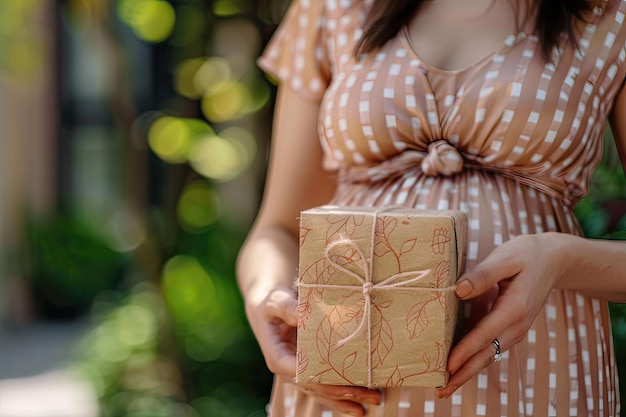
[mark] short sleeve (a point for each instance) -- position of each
(297, 53)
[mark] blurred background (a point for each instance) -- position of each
(133, 151)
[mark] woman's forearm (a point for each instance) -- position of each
(594, 267)
(267, 260)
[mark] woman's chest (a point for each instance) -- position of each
(501, 110)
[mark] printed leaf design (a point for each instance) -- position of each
(381, 249)
(304, 232)
(324, 336)
(442, 272)
(320, 271)
(442, 348)
(417, 319)
(304, 311)
(353, 305)
(329, 332)
(385, 226)
(407, 246)
(342, 226)
(302, 361)
(382, 338)
(395, 380)
(426, 360)
(348, 361)
(337, 227)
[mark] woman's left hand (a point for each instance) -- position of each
(524, 270)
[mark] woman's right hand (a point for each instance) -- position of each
(274, 321)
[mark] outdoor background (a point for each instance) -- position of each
(133, 150)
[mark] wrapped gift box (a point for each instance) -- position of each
(376, 301)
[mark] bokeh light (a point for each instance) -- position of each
(171, 138)
(213, 76)
(125, 231)
(188, 288)
(219, 158)
(198, 207)
(151, 20)
(227, 7)
(228, 103)
(184, 76)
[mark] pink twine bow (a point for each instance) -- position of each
(367, 286)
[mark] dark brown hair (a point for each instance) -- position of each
(554, 18)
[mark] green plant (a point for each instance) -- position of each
(70, 265)
(596, 214)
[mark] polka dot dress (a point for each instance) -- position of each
(511, 140)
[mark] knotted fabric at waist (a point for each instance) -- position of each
(445, 160)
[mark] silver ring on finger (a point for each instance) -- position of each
(498, 355)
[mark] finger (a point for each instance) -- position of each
(345, 399)
(508, 317)
(498, 266)
(341, 392)
(469, 369)
(348, 407)
(282, 360)
(282, 305)
(281, 357)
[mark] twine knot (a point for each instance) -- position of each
(367, 288)
(442, 159)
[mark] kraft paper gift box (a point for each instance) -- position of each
(376, 301)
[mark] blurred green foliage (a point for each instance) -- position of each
(62, 252)
(602, 214)
(173, 340)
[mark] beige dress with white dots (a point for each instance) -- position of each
(510, 140)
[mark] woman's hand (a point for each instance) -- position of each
(524, 270)
(274, 320)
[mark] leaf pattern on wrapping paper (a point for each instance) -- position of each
(381, 249)
(347, 256)
(442, 273)
(407, 246)
(353, 304)
(319, 272)
(426, 360)
(442, 348)
(348, 361)
(382, 335)
(384, 229)
(395, 380)
(342, 226)
(304, 311)
(329, 332)
(304, 232)
(417, 319)
(302, 361)
(385, 226)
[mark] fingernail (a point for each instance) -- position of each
(446, 392)
(464, 288)
(347, 395)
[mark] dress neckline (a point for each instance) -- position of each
(508, 42)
